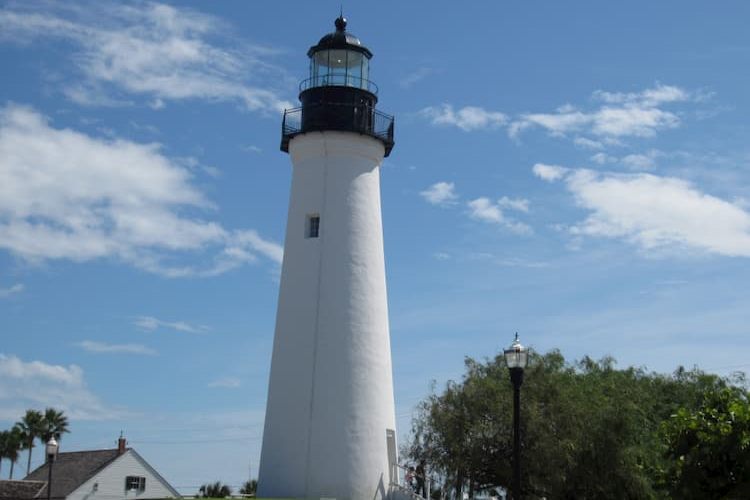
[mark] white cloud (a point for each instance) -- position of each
(485, 210)
(226, 383)
(622, 115)
(415, 76)
(602, 158)
(7, 292)
(632, 121)
(36, 384)
(148, 49)
(635, 161)
(440, 193)
(549, 173)
(639, 161)
(467, 118)
(101, 347)
(586, 143)
(149, 323)
(520, 204)
(66, 195)
(250, 239)
(658, 213)
(650, 97)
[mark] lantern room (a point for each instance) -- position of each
(338, 94)
(339, 59)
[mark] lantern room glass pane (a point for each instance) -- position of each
(348, 68)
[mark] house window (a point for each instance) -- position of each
(312, 228)
(137, 483)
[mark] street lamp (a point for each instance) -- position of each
(516, 357)
(51, 454)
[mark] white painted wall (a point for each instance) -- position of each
(110, 481)
(330, 396)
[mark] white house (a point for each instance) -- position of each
(118, 473)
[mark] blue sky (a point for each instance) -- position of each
(577, 174)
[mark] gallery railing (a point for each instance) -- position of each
(332, 80)
(345, 117)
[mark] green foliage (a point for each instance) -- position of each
(588, 430)
(12, 444)
(31, 426)
(54, 423)
(215, 490)
(709, 448)
(249, 487)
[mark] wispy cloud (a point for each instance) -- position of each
(149, 323)
(7, 292)
(440, 193)
(656, 96)
(549, 172)
(655, 213)
(639, 161)
(633, 161)
(616, 115)
(519, 204)
(36, 384)
(102, 347)
(586, 143)
(441, 256)
(415, 76)
(226, 383)
(66, 195)
(467, 118)
(148, 49)
(485, 210)
(637, 114)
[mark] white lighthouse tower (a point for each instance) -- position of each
(330, 419)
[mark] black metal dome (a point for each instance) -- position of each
(340, 39)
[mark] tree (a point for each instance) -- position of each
(31, 428)
(3, 447)
(250, 487)
(13, 446)
(215, 490)
(54, 424)
(588, 429)
(709, 448)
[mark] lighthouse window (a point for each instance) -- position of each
(313, 226)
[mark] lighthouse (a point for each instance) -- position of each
(330, 418)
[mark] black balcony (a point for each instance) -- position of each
(345, 117)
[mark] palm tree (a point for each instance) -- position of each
(250, 487)
(13, 447)
(54, 424)
(215, 490)
(31, 426)
(3, 448)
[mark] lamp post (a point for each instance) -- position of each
(51, 455)
(516, 357)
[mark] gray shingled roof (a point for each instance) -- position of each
(72, 469)
(21, 490)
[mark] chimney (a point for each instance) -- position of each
(121, 444)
